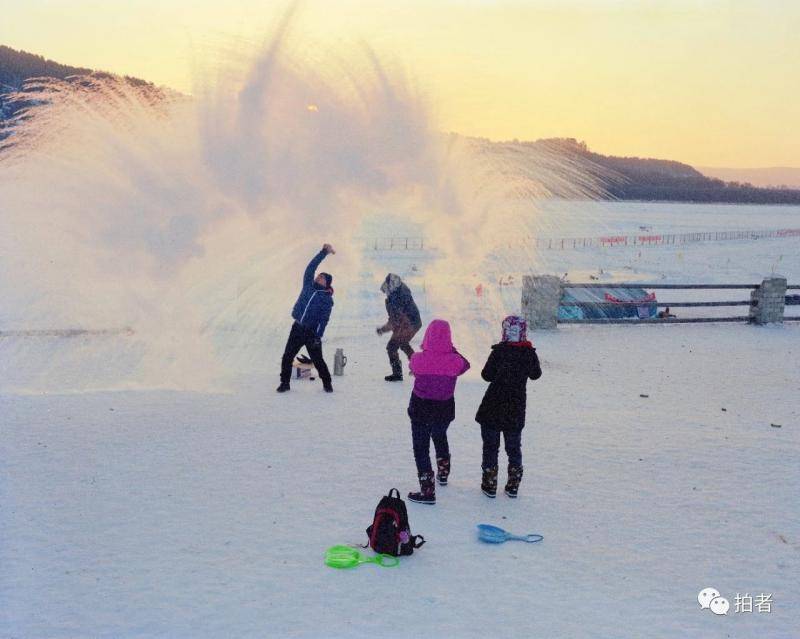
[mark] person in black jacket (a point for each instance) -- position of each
(311, 313)
(511, 363)
(404, 322)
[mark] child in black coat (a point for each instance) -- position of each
(511, 363)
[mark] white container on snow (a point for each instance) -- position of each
(339, 362)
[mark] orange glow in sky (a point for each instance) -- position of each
(713, 83)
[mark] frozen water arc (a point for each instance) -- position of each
(130, 205)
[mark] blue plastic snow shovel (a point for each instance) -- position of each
(496, 535)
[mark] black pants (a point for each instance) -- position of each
(301, 336)
(392, 347)
(421, 435)
(491, 447)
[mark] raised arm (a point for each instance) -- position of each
(308, 275)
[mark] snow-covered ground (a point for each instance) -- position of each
(158, 513)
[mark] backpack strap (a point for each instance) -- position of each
(394, 490)
(415, 542)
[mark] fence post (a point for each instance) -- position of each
(771, 298)
(541, 295)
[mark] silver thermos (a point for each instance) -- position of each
(339, 362)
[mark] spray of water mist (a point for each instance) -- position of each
(188, 219)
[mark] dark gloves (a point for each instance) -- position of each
(379, 330)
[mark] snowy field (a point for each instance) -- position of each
(161, 513)
(574, 218)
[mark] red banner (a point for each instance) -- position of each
(615, 239)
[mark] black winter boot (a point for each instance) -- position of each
(283, 387)
(327, 386)
(442, 470)
(514, 478)
(397, 372)
(427, 492)
(489, 482)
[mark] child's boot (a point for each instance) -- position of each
(489, 482)
(443, 470)
(427, 490)
(514, 478)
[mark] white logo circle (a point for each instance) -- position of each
(705, 597)
(719, 606)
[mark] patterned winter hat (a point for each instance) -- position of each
(514, 329)
(391, 283)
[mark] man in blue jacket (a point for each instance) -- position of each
(311, 313)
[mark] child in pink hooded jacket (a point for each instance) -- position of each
(432, 406)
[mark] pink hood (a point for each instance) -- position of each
(438, 356)
(437, 337)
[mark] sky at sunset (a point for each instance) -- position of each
(711, 83)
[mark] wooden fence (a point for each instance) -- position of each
(650, 239)
(398, 244)
(67, 332)
(607, 241)
(790, 300)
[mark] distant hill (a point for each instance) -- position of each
(623, 178)
(783, 177)
(17, 67)
(665, 180)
